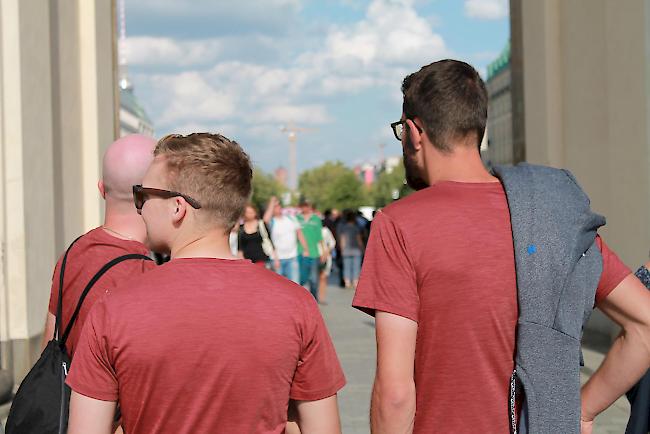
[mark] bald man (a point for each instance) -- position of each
(123, 232)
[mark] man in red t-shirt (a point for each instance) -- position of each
(206, 343)
(123, 232)
(439, 276)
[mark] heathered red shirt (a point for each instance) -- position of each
(444, 257)
(206, 345)
(88, 255)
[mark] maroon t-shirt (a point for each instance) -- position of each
(88, 255)
(206, 345)
(444, 257)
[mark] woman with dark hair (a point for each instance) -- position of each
(351, 249)
(254, 242)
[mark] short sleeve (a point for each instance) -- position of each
(614, 271)
(388, 280)
(91, 372)
(319, 374)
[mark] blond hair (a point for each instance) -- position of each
(212, 169)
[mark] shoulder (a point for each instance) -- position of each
(412, 203)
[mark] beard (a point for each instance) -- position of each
(414, 175)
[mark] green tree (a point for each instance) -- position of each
(265, 186)
(390, 186)
(333, 185)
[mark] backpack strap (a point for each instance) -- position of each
(59, 306)
(89, 286)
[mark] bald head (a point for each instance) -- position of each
(125, 162)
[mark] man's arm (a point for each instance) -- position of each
(48, 332)
(303, 242)
(392, 409)
(318, 417)
(268, 214)
(628, 305)
(90, 416)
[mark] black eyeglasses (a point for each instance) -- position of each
(398, 128)
(141, 195)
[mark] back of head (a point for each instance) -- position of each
(450, 98)
(211, 169)
(125, 162)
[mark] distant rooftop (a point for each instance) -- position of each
(500, 63)
(129, 102)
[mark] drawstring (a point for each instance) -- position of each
(513, 402)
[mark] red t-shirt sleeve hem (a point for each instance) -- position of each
(305, 395)
(602, 295)
(370, 307)
(91, 392)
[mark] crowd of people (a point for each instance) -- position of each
(303, 244)
(480, 284)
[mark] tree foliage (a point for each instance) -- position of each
(389, 186)
(333, 185)
(265, 186)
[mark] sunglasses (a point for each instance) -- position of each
(142, 194)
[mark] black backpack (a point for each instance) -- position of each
(41, 403)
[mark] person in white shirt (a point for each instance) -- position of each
(285, 234)
(329, 244)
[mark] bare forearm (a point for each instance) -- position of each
(391, 412)
(625, 363)
(303, 241)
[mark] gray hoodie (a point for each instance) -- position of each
(558, 269)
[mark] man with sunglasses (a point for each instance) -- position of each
(206, 343)
(123, 232)
(439, 276)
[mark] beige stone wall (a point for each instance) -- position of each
(585, 73)
(57, 81)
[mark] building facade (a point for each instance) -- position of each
(582, 85)
(499, 126)
(58, 113)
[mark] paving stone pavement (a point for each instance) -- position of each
(353, 334)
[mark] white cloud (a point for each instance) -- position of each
(300, 113)
(487, 9)
(253, 99)
(146, 50)
(191, 98)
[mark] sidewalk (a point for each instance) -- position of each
(354, 338)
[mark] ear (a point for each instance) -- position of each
(415, 135)
(102, 190)
(179, 209)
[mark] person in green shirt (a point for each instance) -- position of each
(309, 259)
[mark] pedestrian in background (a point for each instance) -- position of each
(254, 241)
(352, 247)
(286, 233)
(309, 258)
(329, 243)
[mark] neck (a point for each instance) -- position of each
(213, 244)
(125, 226)
(462, 165)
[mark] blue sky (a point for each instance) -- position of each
(245, 68)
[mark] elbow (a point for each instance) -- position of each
(639, 333)
(394, 399)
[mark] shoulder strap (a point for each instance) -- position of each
(90, 284)
(264, 233)
(59, 306)
(262, 228)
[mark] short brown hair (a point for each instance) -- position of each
(450, 98)
(211, 169)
